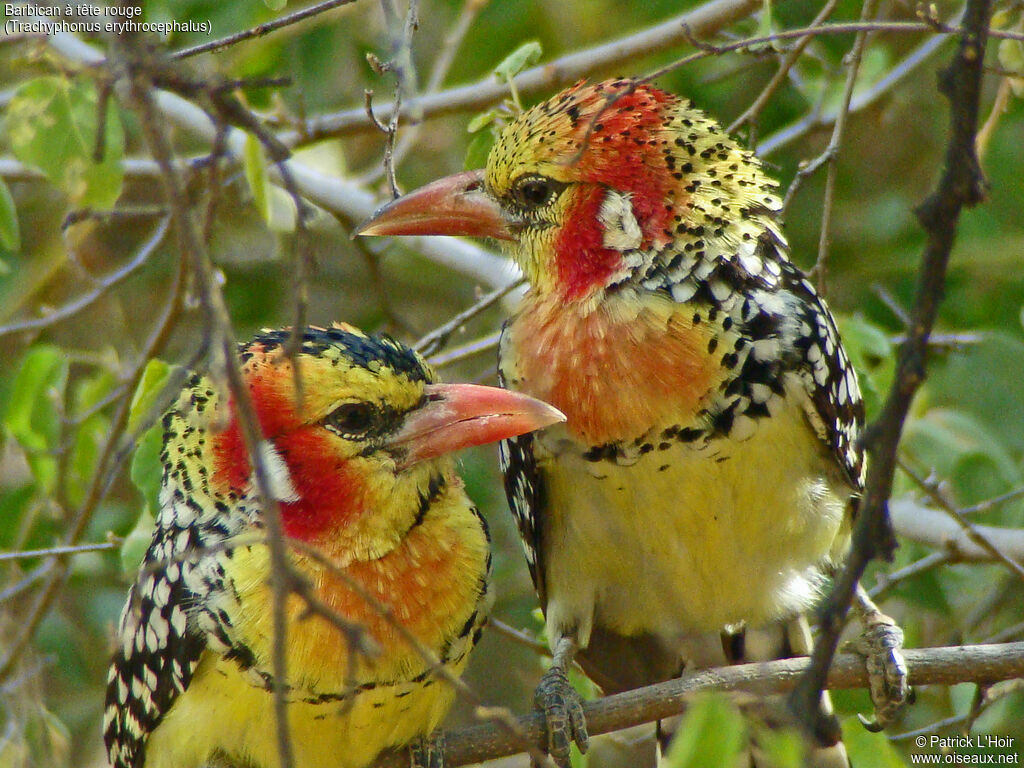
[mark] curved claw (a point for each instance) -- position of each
(880, 644)
(427, 751)
(563, 711)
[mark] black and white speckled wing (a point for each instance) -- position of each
(157, 654)
(175, 609)
(524, 487)
(837, 414)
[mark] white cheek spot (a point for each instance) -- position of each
(278, 475)
(621, 229)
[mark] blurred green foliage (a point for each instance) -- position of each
(60, 383)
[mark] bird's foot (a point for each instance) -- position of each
(563, 712)
(427, 751)
(880, 643)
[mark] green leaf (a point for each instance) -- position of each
(275, 5)
(32, 416)
(483, 120)
(135, 544)
(52, 125)
(958, 446)
(781, 747)
(1011, 58)
(478, 150)
(151, 385)
(766, 24)
(91, 433)
(871, 353)
(711, 735)
(282, 214)
(521, 58)
(147, 469)
(866, 748)
(10, 235)
(255, 164)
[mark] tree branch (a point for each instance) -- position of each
(936, 528)
(928, 666)
(961, 185)
(702, 21)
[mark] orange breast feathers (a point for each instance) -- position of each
(430, 583)
(616, 371)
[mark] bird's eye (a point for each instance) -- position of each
(535, 191)
(351, 419)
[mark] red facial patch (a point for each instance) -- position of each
(583, 261)
(329, 492)
(623, 148)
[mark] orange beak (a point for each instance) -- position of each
(454, 205)
(456, 416)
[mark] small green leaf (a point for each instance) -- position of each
(52, 124)
(1011, 58)
(956, 445)
(135, 544)
(766, 23)
(147, 470)
(521, 58)
(282, 214)
(10, 235)
(91, 434)
(482, 120)
(872, 356)
(478, 150)
(255, 164)
(711, 735)
(32, 416)
(866, 748)
(151, 385)
(781, 747)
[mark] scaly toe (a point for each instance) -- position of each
(563, 712)
(880, 644)
(427, 751)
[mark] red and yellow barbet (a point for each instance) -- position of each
(708, 470)
(362, 470)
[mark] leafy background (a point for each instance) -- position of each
(63, 376)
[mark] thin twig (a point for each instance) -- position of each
(102, 285)
(961, 185)
(260, 29)
(751, 113)
(974, 533)
(1007, 634)
(443, 62)
(28, 581)
(992, 694)
(105, 464)
(999, 106)
(814, 121)
(995, 501)
(834, 145)
(501, 717)
(55, 551)
(928, 666)
(886, 582)
(223, 347)
(434, 341)
(702, 21)
(935, 528)
(518, 636)
(477, 347)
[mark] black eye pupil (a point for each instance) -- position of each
(535, 192)
(351, 418)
